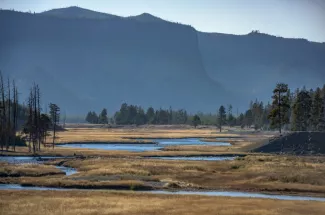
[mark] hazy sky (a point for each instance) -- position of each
(287, 18)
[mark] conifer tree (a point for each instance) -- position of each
(102, 118)
(302, 111)
(280, 106)
(221, 117)
(196, 120)
(316, 110)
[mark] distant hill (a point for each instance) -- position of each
(146, 17)
(85, 60)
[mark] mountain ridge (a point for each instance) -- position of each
(156, 18)
(81, 60)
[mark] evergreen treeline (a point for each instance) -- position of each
(132, 114)
(302, 110)
(307, 110)
(93, 118)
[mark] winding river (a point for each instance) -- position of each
(200, 193)
(36, 160)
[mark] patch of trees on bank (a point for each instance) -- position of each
(24, 123)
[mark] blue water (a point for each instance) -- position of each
(19, 187)
(241, 194)
(25, 159)
(189, 141)
(227, 138)
(117, 147)
(202, 193)
(196, 158)
(160, 143)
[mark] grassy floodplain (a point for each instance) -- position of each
(272, 174)
(123, 170)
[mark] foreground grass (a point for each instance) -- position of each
(76, 202)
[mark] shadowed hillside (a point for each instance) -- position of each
(84, 64)
(252, 64)
(296, 143)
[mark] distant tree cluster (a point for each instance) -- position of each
(301, 111)
(307, 110)
(132, 114)
(93, 118)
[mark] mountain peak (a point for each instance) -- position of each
(78, 12)
(146, 17)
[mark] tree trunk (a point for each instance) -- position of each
(9, 130)
(15, 104)
(54, 129)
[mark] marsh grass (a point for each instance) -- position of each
(250, 173)
(84, 184)
(32, 170)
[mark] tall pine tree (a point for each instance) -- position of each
(221, 117)
(280, 106)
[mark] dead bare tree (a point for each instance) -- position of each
(3, 113)
(8, 114)
(15, 110)
(55, 118)
(9, 129)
